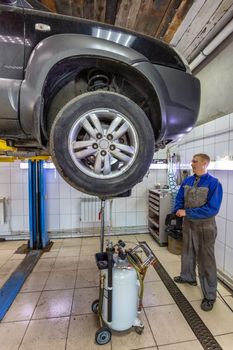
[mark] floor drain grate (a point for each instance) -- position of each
(198, 327)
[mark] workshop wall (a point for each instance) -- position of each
(64, 206)
(14, 188)
(64, 212)
(215, 74)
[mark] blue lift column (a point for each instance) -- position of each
(37, 205)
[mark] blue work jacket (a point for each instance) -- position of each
(206, 183)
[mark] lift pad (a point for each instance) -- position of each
(198, 327)
(12, 286)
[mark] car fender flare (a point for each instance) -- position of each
(54, 49)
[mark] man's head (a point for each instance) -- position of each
(200, 163)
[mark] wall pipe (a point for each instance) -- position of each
(220, 37)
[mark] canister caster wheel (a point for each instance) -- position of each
(138, 329)
(95, 306)
(103, 336)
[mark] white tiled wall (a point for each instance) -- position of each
(64, 202)
(14, 186)
(216, 139)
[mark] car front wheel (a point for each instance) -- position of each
(102, 143)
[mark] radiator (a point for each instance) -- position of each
(90, 209)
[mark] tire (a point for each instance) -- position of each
(102, 143)
(95, 306)
(103, 336)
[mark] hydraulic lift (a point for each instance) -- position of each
(37, 205)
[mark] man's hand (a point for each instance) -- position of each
(181, 213)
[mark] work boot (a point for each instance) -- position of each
(179, 279)
(207, 304)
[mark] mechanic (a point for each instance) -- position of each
(198, 201)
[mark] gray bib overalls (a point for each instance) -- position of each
(198, 244)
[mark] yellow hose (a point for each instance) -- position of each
(101, 297)
(141, 272)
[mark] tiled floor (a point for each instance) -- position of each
(53, 309)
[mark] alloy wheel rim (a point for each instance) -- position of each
(103, 143)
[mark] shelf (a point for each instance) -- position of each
(153, 232)
(156, 203)
(153, 222)
(159, 205)
(153, 208)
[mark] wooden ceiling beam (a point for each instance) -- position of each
(51, 4)
(149, 15)
(77, 8)
(195, 28)
(167, 18)
(143, 20)
(64, 7)
(100, 10)
(177, 20)
(127, 13)
(111, 11)
(88, 9)
(123, 12)
(213, 26)
(133, 13)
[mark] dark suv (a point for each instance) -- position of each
(99, 99)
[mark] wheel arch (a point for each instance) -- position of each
(139, 88)
(51, 51)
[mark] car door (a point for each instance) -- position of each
(11, 57)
